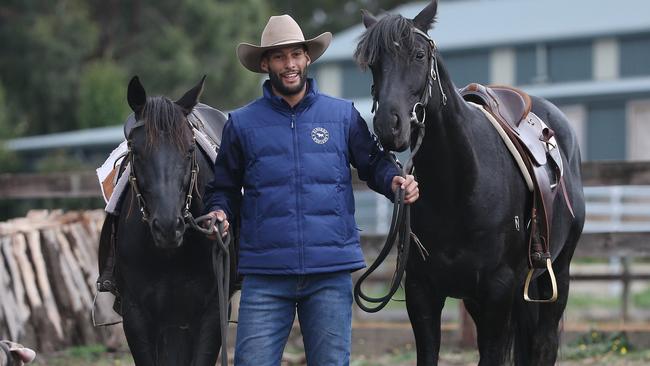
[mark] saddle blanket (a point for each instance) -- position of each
(113, 187)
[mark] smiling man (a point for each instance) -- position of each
(291, 152)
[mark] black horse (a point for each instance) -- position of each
(164, 272)
(471, 192)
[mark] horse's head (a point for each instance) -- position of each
(403, 62)
(163, 161)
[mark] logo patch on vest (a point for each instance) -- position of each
(320, 135)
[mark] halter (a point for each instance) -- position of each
(420, 107)
(134, 181)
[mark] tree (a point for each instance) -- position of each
(333, 16)
(102, 95)
(45, 43)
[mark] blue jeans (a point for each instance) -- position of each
(267, 309)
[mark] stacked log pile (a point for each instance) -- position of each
(48, 269)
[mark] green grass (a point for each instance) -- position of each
(94, 355)
(642, 299)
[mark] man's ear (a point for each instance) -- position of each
(264, 64)
(308, 58)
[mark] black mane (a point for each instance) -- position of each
(392, 34)
(164, 119)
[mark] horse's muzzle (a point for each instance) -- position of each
(168, 235)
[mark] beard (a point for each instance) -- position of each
(276, 82)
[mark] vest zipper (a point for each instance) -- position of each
(298, 190)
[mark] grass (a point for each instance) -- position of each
(92, 355)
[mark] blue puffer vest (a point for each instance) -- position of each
(297, 210)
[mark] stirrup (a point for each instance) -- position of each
(549, 268)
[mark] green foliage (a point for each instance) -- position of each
(102, 95)
(642, 299)
(65, 63)
(595, 343)
(45, 44)
(8, 160)
(316, 17)
(60, 161)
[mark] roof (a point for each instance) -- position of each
(112, 135)
(471, 24)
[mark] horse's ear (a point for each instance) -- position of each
(427, 17)
(191, 98)
(135, 95)
(368, 19)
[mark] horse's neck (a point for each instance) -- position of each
(446, 162)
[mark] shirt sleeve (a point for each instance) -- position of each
(373, 164)
(224, 191)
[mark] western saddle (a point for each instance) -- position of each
(535, 143)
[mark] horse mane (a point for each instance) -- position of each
(393, 34)
(163, 119)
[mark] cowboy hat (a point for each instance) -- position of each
(281, 31)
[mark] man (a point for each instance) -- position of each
(291, 152)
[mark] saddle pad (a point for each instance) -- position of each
(112, 190)
(513, 150)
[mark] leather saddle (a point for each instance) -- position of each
(536, 144)
(204, 118)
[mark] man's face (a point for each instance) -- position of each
(287, 69)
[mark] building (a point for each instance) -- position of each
(589, 57)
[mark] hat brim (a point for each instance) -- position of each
(250, 55)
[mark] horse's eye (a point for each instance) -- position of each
(420, 55)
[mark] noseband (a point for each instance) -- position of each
(134, 181)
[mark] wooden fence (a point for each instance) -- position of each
(47, 260)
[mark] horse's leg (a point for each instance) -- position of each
(138, 331)
(208, 340)
(424, 306)
(491, 313)
(545, 339)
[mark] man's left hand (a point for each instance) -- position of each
(410, 186)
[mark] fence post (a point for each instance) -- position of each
(467, 328)
(625, 294)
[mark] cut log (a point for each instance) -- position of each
(51, 310)
(10, 317)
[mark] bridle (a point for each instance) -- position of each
(400, 227)
(220, 251)
(133, 180)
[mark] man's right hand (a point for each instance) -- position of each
(221, 217)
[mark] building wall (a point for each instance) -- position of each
(612, 127)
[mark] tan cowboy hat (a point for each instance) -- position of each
(281, 31)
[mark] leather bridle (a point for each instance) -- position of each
(134, 181)
(400, 227)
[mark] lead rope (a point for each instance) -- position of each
(400, 228)
(221, 270)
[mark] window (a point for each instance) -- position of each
(569, 61)
(468, 67)
(526, 65)
(606, 132)
(634, 54)
(356, 83)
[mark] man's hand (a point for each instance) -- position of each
(410, 186)
(221, 217)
